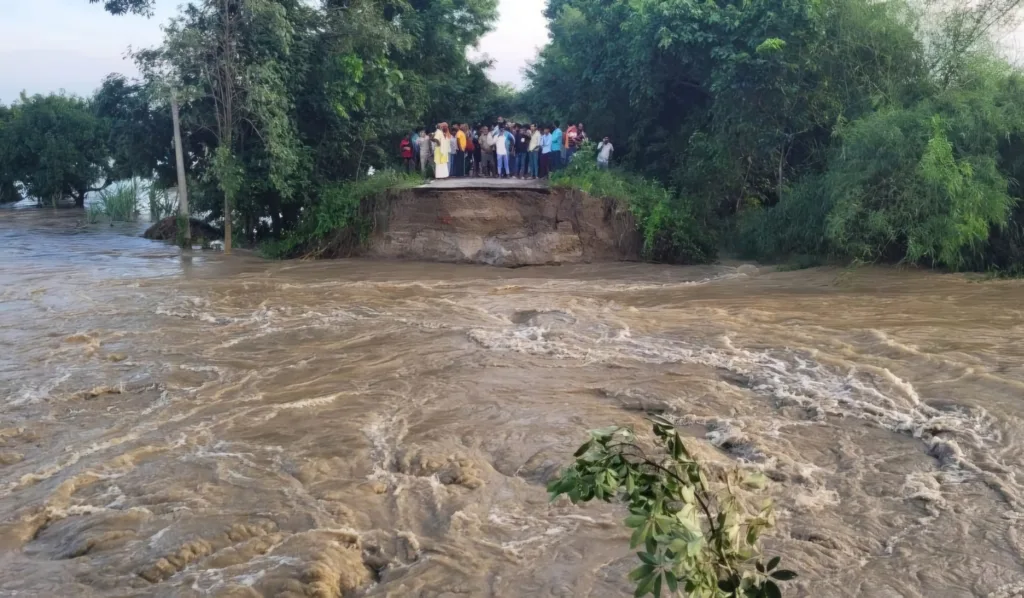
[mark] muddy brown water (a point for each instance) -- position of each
(227, 426)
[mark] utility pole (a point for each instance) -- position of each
(179, 156)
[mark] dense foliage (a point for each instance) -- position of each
(55, 146)
(845, 128)
(282, 101)
(849, 129)
(695, 534)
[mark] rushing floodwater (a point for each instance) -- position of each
(211, 426)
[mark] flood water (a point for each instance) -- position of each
(227, 426)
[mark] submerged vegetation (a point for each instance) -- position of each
(694, 533)
(120, 202)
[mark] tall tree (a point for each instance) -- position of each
(231, 52)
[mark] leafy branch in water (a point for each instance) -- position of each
(695, 537)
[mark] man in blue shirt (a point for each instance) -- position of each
(545, 153)
(556, 148)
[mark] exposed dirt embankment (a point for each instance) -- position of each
(167, 230)
(503, 228)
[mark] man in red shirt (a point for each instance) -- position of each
(571, 142)
(406, 148)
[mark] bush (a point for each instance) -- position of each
(929, 183)
(671, 229)
(900, 192)
(694, 534)
(341, 220)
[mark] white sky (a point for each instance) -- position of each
(50, 45)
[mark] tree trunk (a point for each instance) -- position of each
(227, 223)
(179, 157)
(80, 198)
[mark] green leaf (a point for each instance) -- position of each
(772, 564)
(641, 572)
(726, 585)
(694, 546)
(784, 575)
(647, 558)
(637, 537)
(583, 449)
(677, 546)
(635, 521)
(672, 581)
(657, 586)
(759, 566)
(771, 590)
(645, 586)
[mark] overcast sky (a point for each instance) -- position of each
(50, 45)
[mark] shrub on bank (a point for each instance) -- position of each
(671, 229)
(341, 220)
(933, 183)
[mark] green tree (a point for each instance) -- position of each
(8, 188)
(56, 147)
(139, 127)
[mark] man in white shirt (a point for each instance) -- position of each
(534, 151)
(604, 153)
(501, 147)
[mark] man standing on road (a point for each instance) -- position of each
(407, 154)
(534, 151)
(545, 153)
(571, 139)
(522, 152)
(502, 149)
(460, 154)
(425, 150)
(556, 149)
(486, 153)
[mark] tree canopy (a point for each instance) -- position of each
(854, 128)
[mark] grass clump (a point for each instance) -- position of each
(340, 222)
(120, 203)
(161, 205)
(672, 230)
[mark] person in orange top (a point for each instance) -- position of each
(459, 167)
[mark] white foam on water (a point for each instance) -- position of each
(786, 376)
(1010, 590)
(384, 435)
(38, 393)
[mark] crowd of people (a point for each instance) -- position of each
(504, 150)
